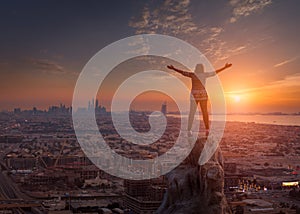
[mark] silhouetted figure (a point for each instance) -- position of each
(198, 91)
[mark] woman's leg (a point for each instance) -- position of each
(193, 107)
(203, 105)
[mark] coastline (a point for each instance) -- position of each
(284, 120)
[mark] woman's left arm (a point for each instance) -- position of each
(227, 65)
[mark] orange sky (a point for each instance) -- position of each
(43, 51)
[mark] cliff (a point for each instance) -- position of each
(196, 189)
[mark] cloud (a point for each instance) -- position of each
(243, 8)
(170, 17)
(286, 62)
(174, 18)
(48, 66)
(140, 46)
(288, 81)
(238, 49)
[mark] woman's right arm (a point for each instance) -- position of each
(184, 73)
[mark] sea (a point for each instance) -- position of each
(288, 120)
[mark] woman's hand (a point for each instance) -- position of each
(227, 65)
(171, 67)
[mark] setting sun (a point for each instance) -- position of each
(236, 98)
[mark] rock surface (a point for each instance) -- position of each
(196, 189)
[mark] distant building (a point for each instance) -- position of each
(241, 182)
(231, 182)
(89, 105)
(21, 163)
(290, 184)
(144, 196)
(97, 103)
(230, 168)
(34, 110)
(35, 179)
(164, 108)
(11, 138)
(17, 110)
(61, 109)
(94, 106)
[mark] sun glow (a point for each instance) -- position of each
(237, 98)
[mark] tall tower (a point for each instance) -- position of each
(164, 108)
(97, 104)
(89, 105)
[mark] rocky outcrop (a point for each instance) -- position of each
(196, 189)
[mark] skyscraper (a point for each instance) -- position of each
(164, 108)
(97, 104)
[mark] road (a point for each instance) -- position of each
(9, 190)
(6, 188)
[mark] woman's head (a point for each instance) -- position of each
(199, 68)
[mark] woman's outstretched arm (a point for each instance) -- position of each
(184, 73)
(227, 65)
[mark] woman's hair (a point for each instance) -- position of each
(199, 68)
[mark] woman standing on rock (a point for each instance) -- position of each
(198, 92)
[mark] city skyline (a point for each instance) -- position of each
(45, 46)
(163, 108)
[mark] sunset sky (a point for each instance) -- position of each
(45, 45)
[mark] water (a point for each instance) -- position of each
(290, 120)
